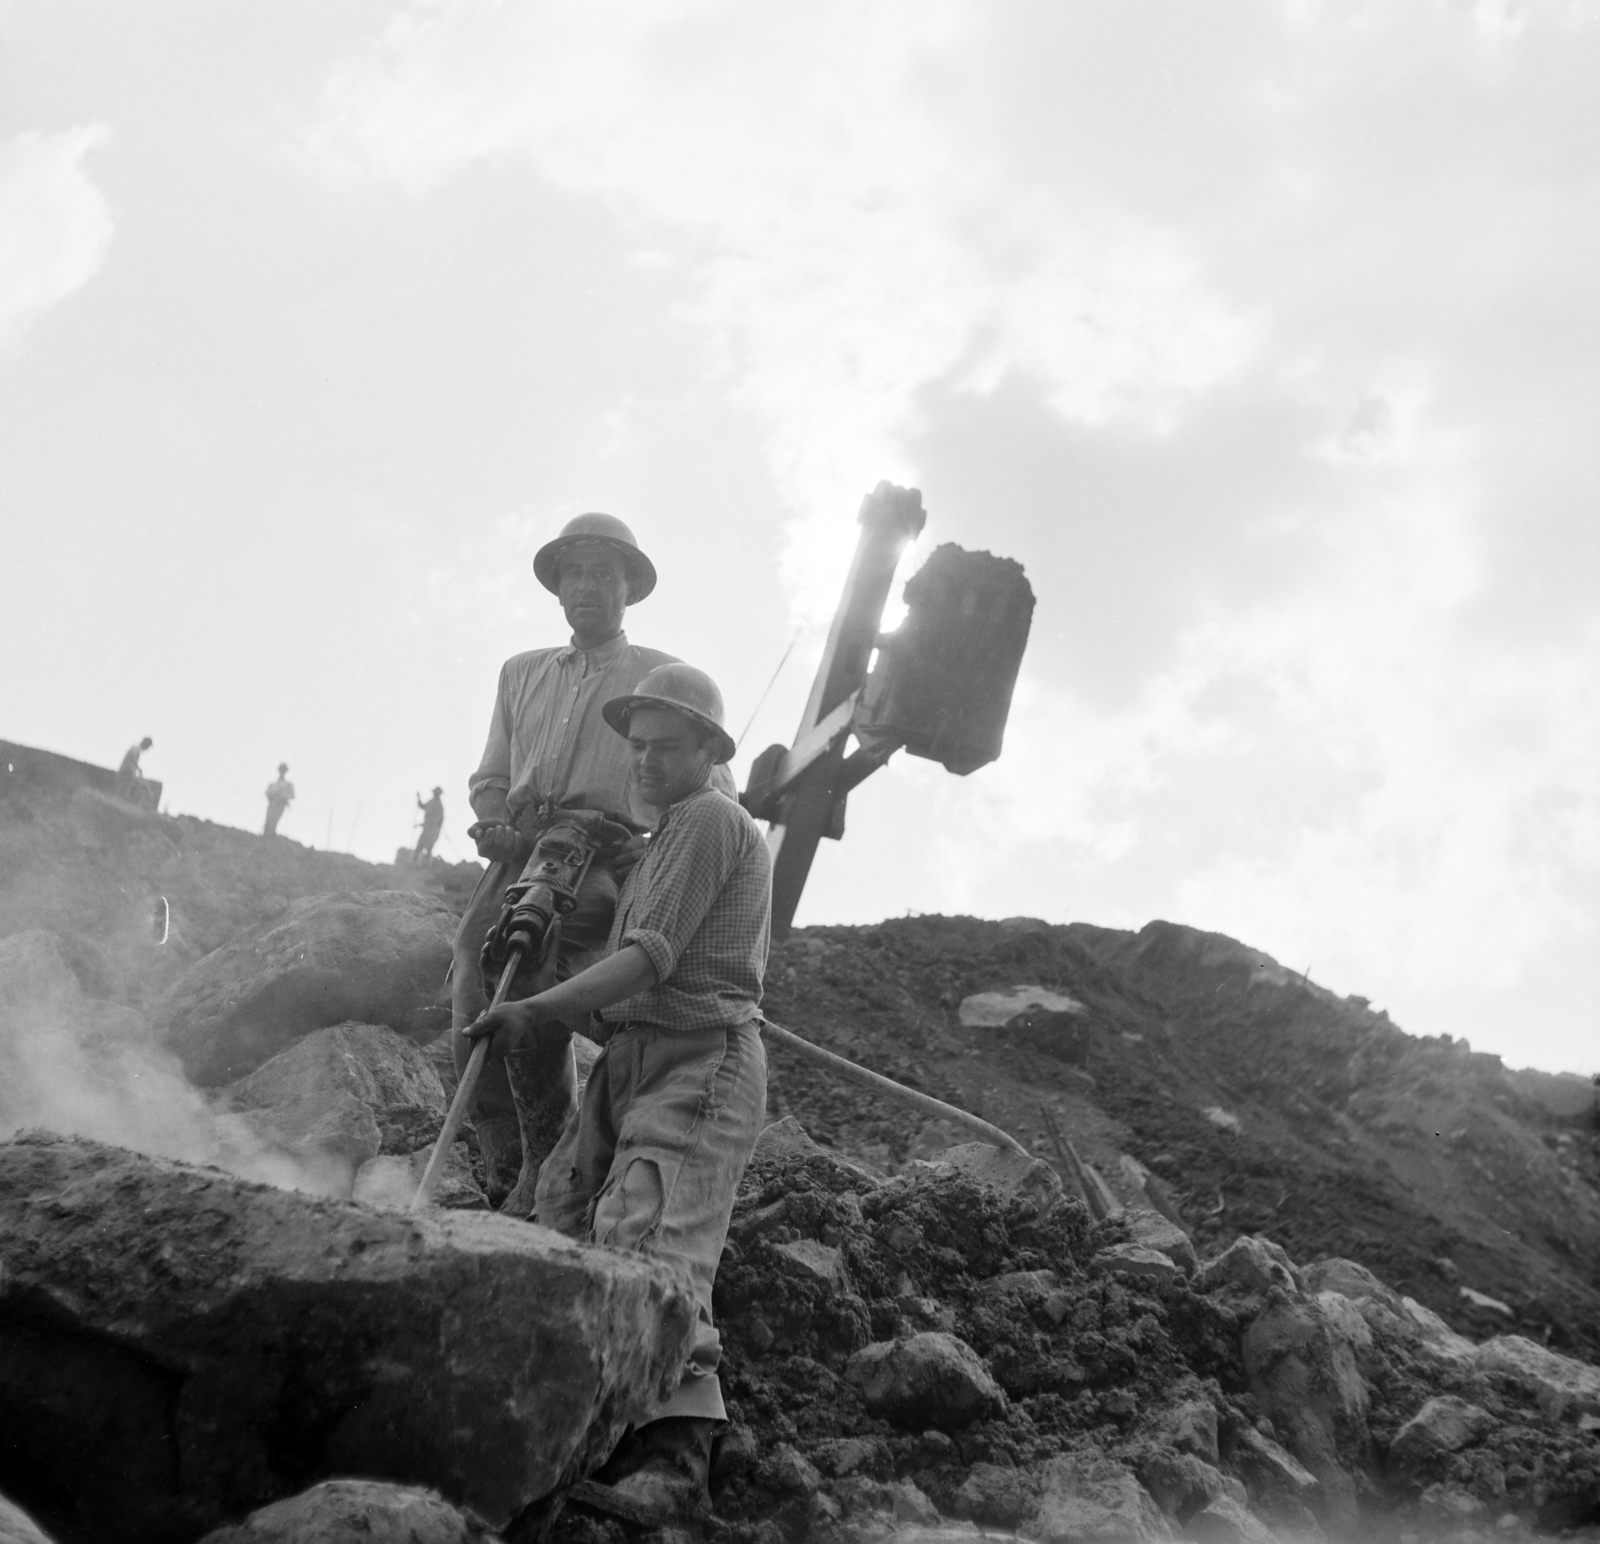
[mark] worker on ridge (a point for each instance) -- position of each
(432, 823)
(674, 1104)
(279, 796)
(131, 784)
(549, 750)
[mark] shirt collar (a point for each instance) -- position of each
(672, 809)
(602, 656)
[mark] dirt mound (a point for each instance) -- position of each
(138, 897)
(1395, 1236)
(1204, 1080)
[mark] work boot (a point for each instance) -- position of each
(659, 1474)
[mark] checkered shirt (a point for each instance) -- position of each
(699, 903)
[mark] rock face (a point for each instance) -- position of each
(376, 957)
(178, 1346)
(1302, 1369)
(355, 1089)
(356, 1512)
(16, 1527)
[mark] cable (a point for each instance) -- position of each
(761, 700)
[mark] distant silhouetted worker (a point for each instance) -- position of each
(130, 780)
(279, 795)
(432, 823)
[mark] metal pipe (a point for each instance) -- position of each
(993, 1135)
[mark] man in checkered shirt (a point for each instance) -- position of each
(671, 1111)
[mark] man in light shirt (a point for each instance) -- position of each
(549, 753)
(674, 1105)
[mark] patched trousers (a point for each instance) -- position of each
(651, 1161)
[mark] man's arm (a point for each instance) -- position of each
(612, 980)
(488, 786)
(493, 831)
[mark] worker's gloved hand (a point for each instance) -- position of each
(497, 842)
(627, 854)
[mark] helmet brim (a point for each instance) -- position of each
(640, 570)
(619, 709)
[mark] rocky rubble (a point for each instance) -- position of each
(960, 1345)
(922, 1341)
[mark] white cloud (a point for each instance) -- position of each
(853, 241)
(55, 224)
(1377, 223)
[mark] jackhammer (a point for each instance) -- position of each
(529, 928)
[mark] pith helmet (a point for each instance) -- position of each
(682, 688)
(601, 528)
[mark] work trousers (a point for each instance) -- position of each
(652, 1158)
(275, 809)
(584, 931)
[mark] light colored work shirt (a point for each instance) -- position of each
(699, 903)
(548, 743)
(280, 792)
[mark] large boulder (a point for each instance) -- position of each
(1094, 1499)
(1564, 1389)
(1303, 1372)
(1444, 1425)
(357, 1512)
(178, 1346)
(375, 957)
(1250, 1265)
(931, 1380)
(311, 1085)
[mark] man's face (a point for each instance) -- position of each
(593, 588)
(669, 762)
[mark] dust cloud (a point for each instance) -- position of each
(78, 1066)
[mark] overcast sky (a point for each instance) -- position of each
(1264, 335)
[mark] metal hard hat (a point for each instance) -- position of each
(608, 530)
(682, 688)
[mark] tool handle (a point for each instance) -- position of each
(463, 1099)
